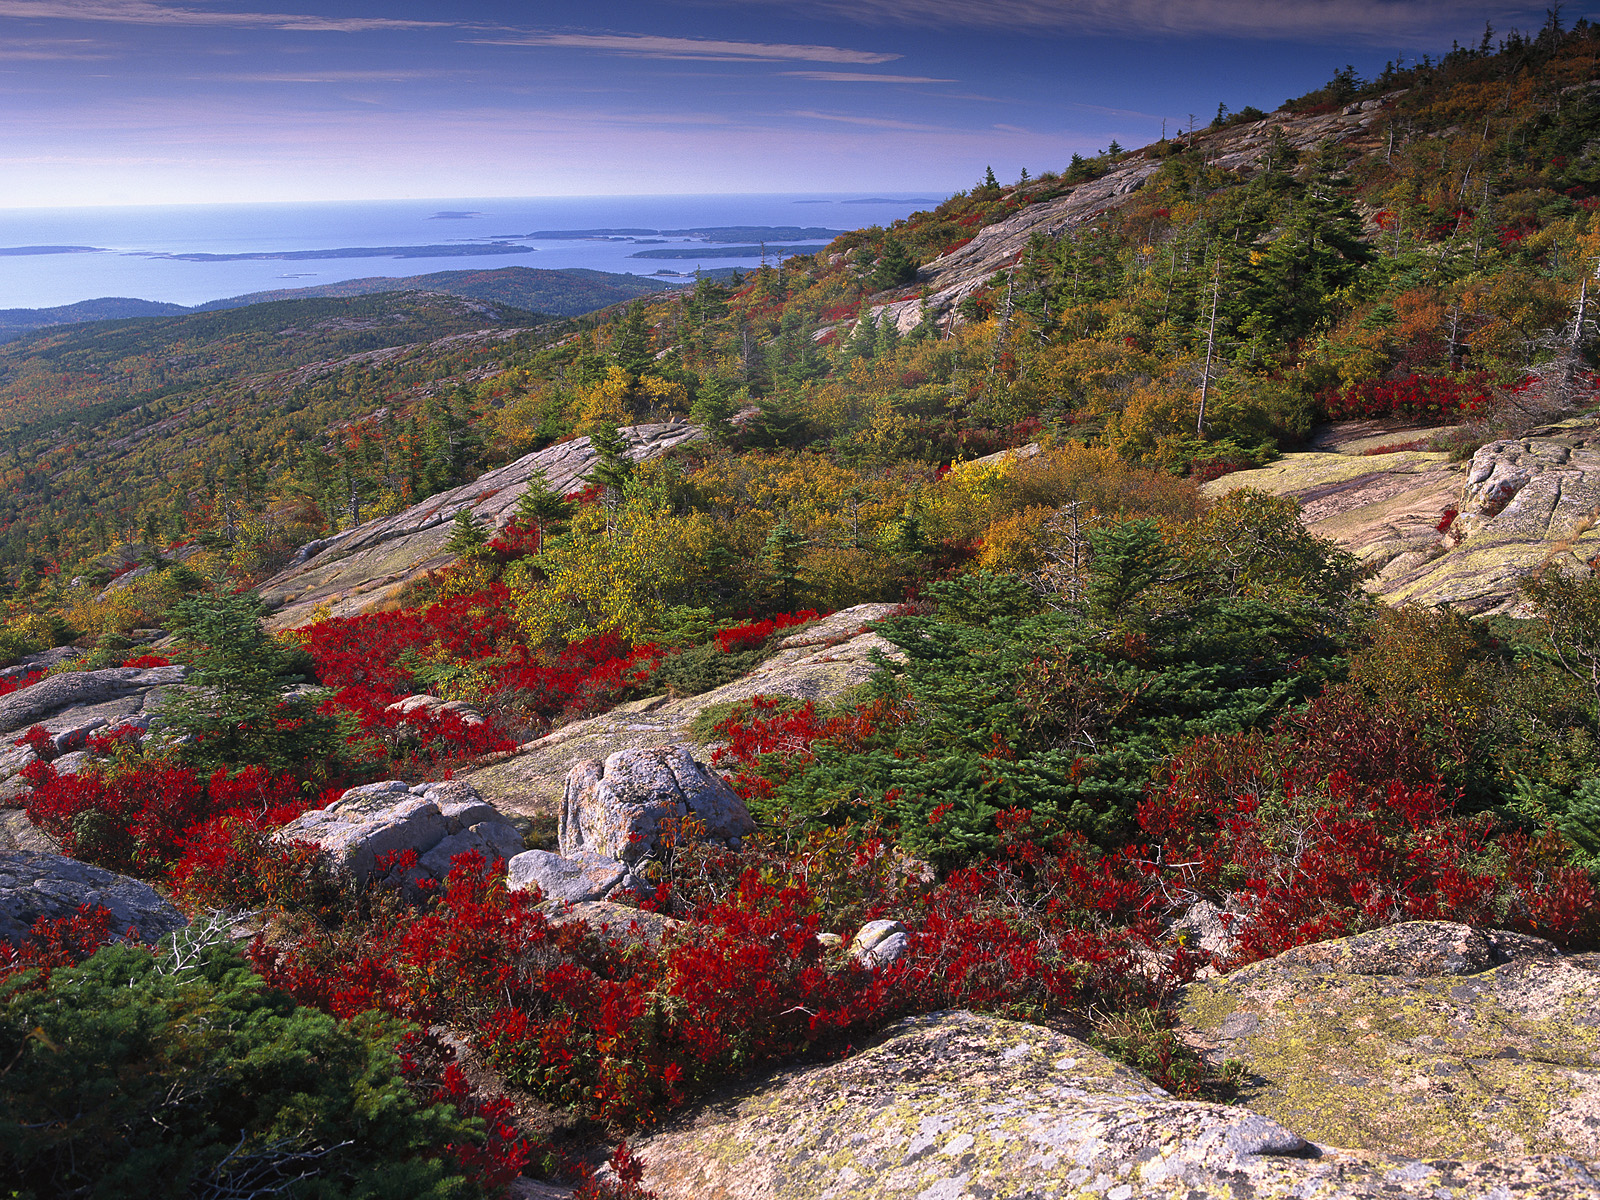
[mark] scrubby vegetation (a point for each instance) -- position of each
(1117, 699)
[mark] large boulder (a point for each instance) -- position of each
(957, 1106)
(617, 808)
(437, 820)
(34, 885)
(1427, 1038)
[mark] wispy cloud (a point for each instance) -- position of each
(147, 12)
(1378, 21)
(862, 77)
(52, 49)
(644, 45)
(869, 122)
(1116, 112)
(379, 76)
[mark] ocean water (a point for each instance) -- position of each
(126, 244)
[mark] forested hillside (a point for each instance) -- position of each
(1111, 737)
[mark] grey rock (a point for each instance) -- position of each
(1207, 928)
(73, 763)
(425, 705)
(617, 808)
(1429, 1039)
(880, 943)
(584, 876)
(50, 695)
(34, 885)
(377, 819)
(19, 833)
(960, 1106)
(613, 921)
(1522, 504)
(45, 660)
(495, 839)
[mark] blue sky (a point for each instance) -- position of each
(150, 101)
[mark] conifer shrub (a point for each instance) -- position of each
(179, 1072)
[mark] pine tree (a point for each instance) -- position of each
(467, 537)
(781, 556)
(234, 710)
(540, 502)
(613, 468)
(714, 407)
(895, 267)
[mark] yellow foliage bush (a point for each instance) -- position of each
(616, 570)
(139, 603)
(1015, 542)
(973, 497)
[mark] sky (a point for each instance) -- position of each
(215, 101)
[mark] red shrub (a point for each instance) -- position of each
(15, 683)
(753, 633)
(148, 660)
(1417, 397)
(141, 820)
(767, 744)
(431, 1071)
(59, 942)
(41, 741)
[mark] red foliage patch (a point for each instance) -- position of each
(1416, 397)
(753, 633)
(141, 820)
(56, 942)
(15, 683)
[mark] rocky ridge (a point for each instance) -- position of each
(963, 1106)
(953, 277)
(1434, 531)
(363, 567)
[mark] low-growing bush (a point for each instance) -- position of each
(146, 1073)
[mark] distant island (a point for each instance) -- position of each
(710, 233)
(16, 251)
(684, 252)
(469, 250)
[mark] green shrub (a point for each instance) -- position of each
(183, 1074)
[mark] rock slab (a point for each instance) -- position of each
(958, 1106)
(818, 663)
(584, 876)
(34, 885)
(617, 808)
(1426, 1038)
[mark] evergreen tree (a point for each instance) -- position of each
(467, 537)
(630, 347)
(540, 502)
(895, 267)
(613, 468)
(780, 554)
(714, 407)
(234, 710)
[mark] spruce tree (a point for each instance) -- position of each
(781, 555)
(467, 537)
(613, 468)
(233, 709)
